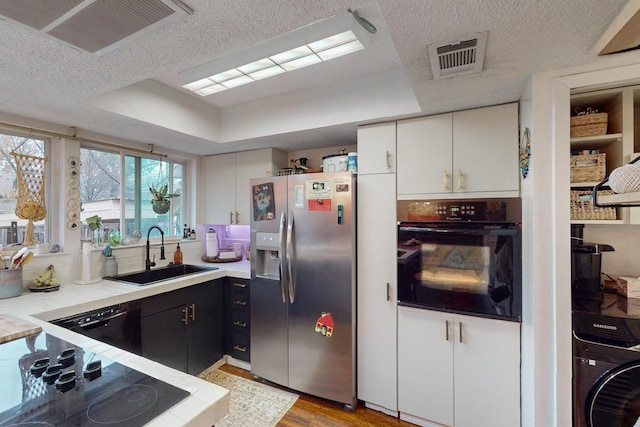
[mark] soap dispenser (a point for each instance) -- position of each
(177, 256)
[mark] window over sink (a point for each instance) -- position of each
(115, 186)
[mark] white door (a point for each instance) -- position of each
(377, 294)
(487, 372)
(485, 149)
(425, 365)
(425, 155)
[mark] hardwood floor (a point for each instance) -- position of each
(311, 411)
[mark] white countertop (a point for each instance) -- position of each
(207, 402)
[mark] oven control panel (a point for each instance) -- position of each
(450, 210)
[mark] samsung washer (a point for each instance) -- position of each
(606, 382)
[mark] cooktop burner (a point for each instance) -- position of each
(49, 382)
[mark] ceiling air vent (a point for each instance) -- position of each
(96, 26)
(462, 57)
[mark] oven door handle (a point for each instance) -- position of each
(475, 232)
(98, 323)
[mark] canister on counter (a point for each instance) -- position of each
(352, 162)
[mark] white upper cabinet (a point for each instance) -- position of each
(227, 192)
(425, 156)
(377, 148)
(470, 153)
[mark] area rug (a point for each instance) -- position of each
(251, 404)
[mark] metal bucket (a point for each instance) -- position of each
(10, 282)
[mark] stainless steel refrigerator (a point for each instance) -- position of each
(303, 282)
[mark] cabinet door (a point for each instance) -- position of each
(377, 148)
(206, 327)
(377, 290)
(487, 373)
(164, 337)
(219, 187)
(425, 365)
(425, 155)
(485, 149)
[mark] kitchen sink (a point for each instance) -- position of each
(159, 274)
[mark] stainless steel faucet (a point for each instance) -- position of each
(147, 262)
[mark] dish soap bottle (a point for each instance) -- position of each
(177, 256)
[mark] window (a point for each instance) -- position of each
(101, 186)
(12, 228)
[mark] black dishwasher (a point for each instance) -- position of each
(117, 325)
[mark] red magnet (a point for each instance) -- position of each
(325, 324)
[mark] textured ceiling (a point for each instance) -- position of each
(132, 92)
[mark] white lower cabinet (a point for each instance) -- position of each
(456, 370)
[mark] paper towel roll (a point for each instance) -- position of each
(212, 243)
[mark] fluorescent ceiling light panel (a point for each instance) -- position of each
(238, 81)
(267, 72)
(214, 88)
(293, 59)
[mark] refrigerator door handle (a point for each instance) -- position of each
(291, 279)
(281, 254)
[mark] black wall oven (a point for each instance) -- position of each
(461, 256)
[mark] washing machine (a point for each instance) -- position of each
(606, 370)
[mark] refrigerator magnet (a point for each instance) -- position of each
(319, 190)
(324, 325)
(264, 207)
(319, 205)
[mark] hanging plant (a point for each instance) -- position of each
(161, 201)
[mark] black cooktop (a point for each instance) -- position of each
(49, 382)
(609, 319)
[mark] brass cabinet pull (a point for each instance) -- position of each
(459, 179)
(237, 220)
(240, 302)
(388, 154)
(185, 317)
(388, 291)
(460, 327)
(193, 312)
(239, 285)
(240, 324)
(240, 348)
(231, 217)
(446, 180)
(446, 327)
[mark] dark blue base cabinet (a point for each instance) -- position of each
(237, 319)
(185, 329)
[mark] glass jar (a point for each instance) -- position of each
(110, 266)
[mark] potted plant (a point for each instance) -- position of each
(95, 225)
(161, 200)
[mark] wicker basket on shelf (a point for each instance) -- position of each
(588, 167)
(582, 207)
(588, 125)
